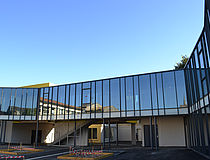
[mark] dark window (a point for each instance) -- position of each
(78, 98)
(72, 99)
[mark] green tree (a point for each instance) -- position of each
(182, 63)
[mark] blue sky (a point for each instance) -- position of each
(65, 41)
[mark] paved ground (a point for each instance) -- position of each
(51, 153)
(162, 154)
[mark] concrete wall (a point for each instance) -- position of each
(170, 130)
(22, 132)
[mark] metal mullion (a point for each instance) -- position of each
(32, 104)
(125, 98)
(65, 104)
(82, 100)
(95, 97)
(176, 92)
(139, 97)
(51, 104)
(157, 94)
(69, 99)
(164, 107)
(90, 98)
(26, 102)
(102, 98)
(109, 99)
(21, 101)
(120, 94)
(202, 129)
(57, 103)
(48, 89)
(14, 103)
(150, 85)
(134, 108)
(75, 102)
(43, 104)
(205, 49)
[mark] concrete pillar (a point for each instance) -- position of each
(133, 133)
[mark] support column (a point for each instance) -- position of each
(109, 133)
(75, 134)
(117, 133)
(156, 134)
(151, 134)
(104, 133)
(37, 118)
(133, 133)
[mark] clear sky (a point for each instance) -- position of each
(65, 41)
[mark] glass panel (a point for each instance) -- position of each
(72, 99)
(5, 101)
(136, 93)
(106, 106)
(207, 49)
(28, 110)
(61, 101)
(78, 98)
(196, 59)
(201, 60)
(18, 102)
(54, 106)
(24, 102)
(169, 90)
(35, 97)
(86, 100)
(99, 96)
(115, 95)
(122, 83)
(12, 101)
(67, 100)
(129, 94)
(204, 87)
(93, 100)
(181, 92)
(145, 94)
(160, 90)
(154, 91)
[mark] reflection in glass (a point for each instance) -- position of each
(145, 94)
(5, 101)
(169, 90)
(181, 92)
(106, 106)
(98, 96)
(115, 95)
(154, 91)
(160, 90)
(72, 99)
(122, 83)
(78, 99)
(18, 104)
(61, 101)
(129, 94)
(136, 93)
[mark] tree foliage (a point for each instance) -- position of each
(182, 63)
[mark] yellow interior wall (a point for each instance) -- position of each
(98, 140)
(37, 85)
